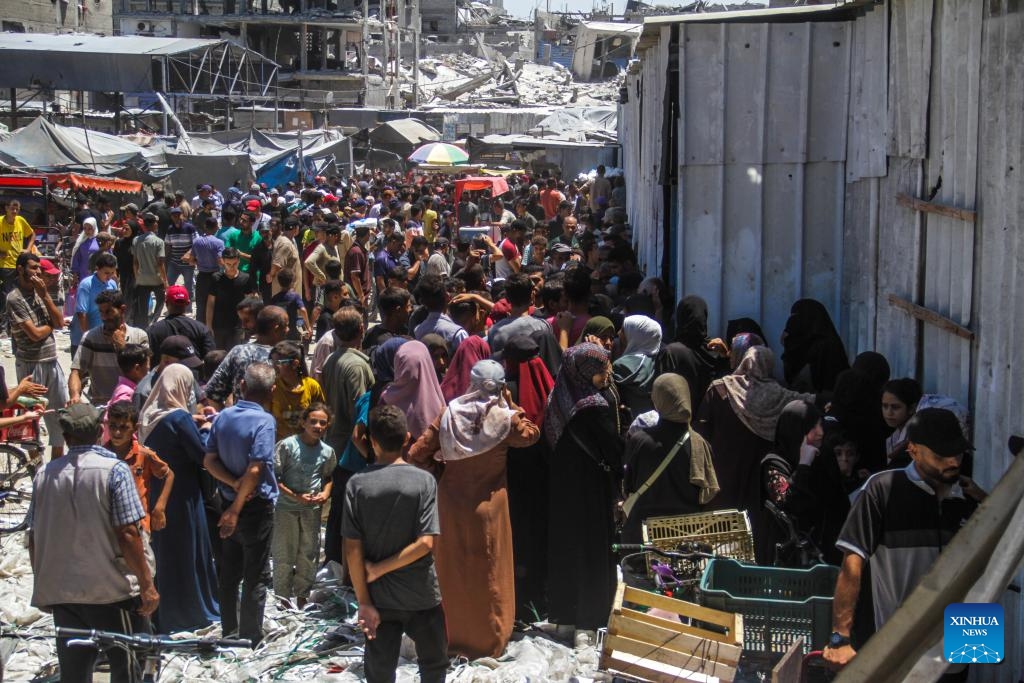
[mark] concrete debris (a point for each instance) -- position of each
(460, 79)
(319, 643)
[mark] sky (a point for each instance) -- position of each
(524, 8)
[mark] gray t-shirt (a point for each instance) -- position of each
(387, 507)
(147, 249)
(22, 306)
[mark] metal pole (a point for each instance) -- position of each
(277, 108)
(302, 163)
(14, 109)
(165, 87)
(416, 26)
(365, 60)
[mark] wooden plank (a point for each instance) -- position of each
(654, 653)
(788, 668)
(930, 316)
(678, 626)
(936, 208)
(673, 640)
(638, 668)
(639, 597)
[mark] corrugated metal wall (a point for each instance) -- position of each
(762, 149)
(794, 142)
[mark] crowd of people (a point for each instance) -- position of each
(483, 418)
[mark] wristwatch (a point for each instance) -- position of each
(837, 640)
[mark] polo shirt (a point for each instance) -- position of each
(148, 249)
(207, 250)
(241, 435)
(178, 241)
(899, 524)
(27, 305)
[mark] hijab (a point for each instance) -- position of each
(692, 322)
(875, 366)
(82, 237)
(172, 391)
(479, 420)
(598, 326)
(810, 339)
(796, 419)
(754, 395)
(457, 380)
(533, 381)
(741, 326)
(643, 336)
(382, 360)
(574, 388)
(680, 359)
(415, 390)
(740, 344)
(671, 397)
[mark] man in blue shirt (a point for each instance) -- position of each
(240, 455)
(87, 312)
(206, 252)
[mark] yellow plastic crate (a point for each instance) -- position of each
(726, 531)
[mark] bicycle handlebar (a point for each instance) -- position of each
(145, 641)
(694, 550)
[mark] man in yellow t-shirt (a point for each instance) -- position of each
(429, 219)
(14, 230)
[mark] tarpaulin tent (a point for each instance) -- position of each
(496, 184)
(42, 145)
(220, 169)
(401, 136)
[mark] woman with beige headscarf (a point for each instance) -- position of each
(738, 417)
(184, 555)
(669, 468)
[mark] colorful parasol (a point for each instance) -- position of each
(439, 154)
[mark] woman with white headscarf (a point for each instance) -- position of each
(85, 246)
(634, 371)
(184, 555)
(473, 554)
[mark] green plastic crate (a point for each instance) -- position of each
(778, 605)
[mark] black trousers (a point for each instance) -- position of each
(77, 663)
(140, 304)
(204, 282)
(425, 627)
(245, 562)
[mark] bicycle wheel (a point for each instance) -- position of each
(15, 488)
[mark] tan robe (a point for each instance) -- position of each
(473, 554)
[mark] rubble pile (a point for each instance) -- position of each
(319, 643)
(463, 80)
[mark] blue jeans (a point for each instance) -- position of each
(188, 273)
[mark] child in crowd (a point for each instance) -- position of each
(389, 523)
(294, 391)
(899, 401)
(303, 465)
(122, 419)
(133, 360)
(324, 315)
(290, 301)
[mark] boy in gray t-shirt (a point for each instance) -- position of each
(388, 525)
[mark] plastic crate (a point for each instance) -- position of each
(727, 532)
(778, 605)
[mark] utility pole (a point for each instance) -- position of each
(365, 57)
(416, 26)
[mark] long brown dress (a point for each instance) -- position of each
(473, 554)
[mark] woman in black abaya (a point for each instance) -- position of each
(813, 354)
(581, 424)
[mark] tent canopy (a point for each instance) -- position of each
(403, 132)
(133, 64)
(44, 146)
(80, 181)
(496, 184)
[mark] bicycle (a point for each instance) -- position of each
(150, 647)
(677, 578)
(21, 454)
(797, 550)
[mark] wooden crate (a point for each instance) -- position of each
(652, 648)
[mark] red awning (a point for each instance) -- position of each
(79, 181)
(498, 186)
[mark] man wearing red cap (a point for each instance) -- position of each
(177, 322)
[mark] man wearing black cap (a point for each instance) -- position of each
(86, 513)
(173, 349)
(900, 521)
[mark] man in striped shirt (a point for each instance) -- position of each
(96, 359)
